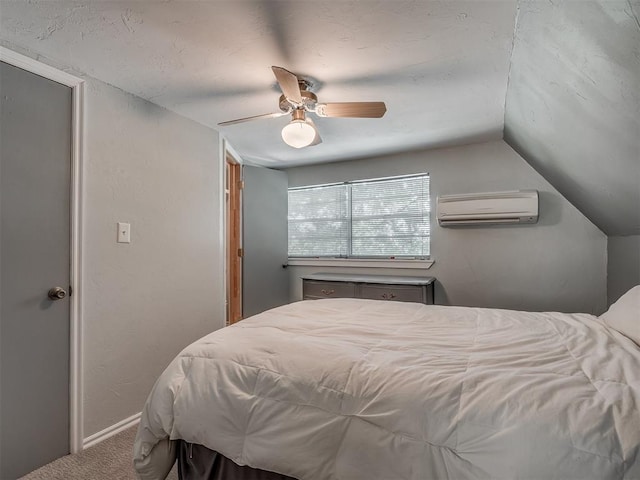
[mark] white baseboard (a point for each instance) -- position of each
(102, 435)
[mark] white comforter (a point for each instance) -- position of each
(365, 389)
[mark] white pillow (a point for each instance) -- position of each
(624, 315)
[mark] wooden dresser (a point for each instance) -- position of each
(375, 287)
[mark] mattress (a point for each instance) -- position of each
(365, 389)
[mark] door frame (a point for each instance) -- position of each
(227, 151)
(76, 84)
(233, 197)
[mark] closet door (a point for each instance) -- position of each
(265, 283)
(35, 232)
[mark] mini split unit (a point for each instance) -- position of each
(493, 208)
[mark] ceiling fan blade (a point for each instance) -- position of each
(255, 117)
(351, 109)
(288, 84)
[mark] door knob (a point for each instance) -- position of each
(57, 293)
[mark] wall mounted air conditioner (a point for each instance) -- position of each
(493, 208)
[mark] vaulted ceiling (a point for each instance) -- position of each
(573, 104)
(568, 72)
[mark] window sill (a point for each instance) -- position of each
(361, 262)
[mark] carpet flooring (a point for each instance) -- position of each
(108, 460)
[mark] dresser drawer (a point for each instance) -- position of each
(397, 293)
(373, 287)
(313, 290)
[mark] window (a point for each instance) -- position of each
(379, 218)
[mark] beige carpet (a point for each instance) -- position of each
(109, 460)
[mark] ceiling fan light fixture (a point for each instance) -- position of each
(298, 133)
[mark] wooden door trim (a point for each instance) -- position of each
(76, 432)
(233, 276)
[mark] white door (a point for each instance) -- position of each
(35, 178)
(265, 281)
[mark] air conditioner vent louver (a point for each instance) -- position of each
(492, 208)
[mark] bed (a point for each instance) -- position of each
(366, 389)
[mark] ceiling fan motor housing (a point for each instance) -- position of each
(309, 101)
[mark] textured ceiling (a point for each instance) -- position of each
(573, 104)
(569, 72)
(440, 66)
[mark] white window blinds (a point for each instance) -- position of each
(366, 219)
(319, 222)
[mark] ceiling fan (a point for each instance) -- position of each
(297, 100)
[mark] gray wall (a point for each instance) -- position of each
(623, 271)
(558, 264)
(145, 301)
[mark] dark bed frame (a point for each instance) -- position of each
(197, 462)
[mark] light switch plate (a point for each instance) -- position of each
(124, 232)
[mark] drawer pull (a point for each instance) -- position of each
(328, 292)
(388, 296)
